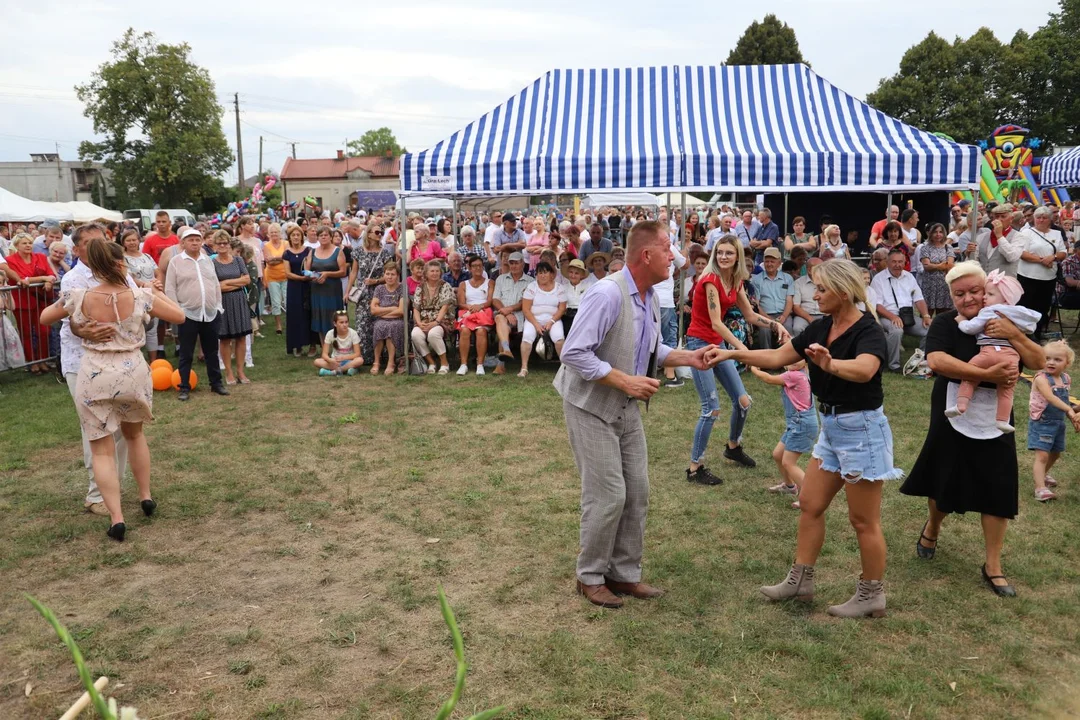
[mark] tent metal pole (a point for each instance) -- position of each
(405, 287)
(888, 204)
(454, 222)
(678, 305)
(786, 225)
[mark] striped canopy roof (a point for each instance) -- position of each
(755, 128)
(1062, 170)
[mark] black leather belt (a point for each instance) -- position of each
(826, 409)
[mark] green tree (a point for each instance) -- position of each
(769, 42)
(375, 142)
(960, 89)
(161, 122)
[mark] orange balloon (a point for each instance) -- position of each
(192, 377)
(161, 363)
(161, 378)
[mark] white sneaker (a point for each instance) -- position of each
(480, 370)
(249, 364)
(1005, 427)
(785, 489)
(463, 370)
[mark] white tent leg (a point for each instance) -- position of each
(405, 287)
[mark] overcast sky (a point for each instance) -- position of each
(322, 72)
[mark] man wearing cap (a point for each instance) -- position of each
(608, 365)
(506, 299)
(596, 243)
(775, 292)
(192, 283)
(508, 237)
(80, 277)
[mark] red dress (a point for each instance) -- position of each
(28, 304)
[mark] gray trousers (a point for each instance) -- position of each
(93, 495)
(893, 336)
(613, 462)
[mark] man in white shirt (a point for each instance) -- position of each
(493, 227)
(191, 283)
(71, 353)
(897, 289)
(669, 318)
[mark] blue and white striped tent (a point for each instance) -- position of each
(757, 128)
(1061, 170)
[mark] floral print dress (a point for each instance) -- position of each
(114, 383)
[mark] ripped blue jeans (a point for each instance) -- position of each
(705, 382)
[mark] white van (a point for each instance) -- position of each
(146, 217)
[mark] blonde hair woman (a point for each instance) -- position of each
(719, 290)
(832, 246)
(960, 469)
(846, 352)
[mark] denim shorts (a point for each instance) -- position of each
(858, 445)
(801, 431)
(1046, 436)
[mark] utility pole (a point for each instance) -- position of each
(293, 151)
(239, 144)
(59, 173)
(260, 155)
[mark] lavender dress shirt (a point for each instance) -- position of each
(600, 307)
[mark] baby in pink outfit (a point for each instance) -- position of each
(1000, 297)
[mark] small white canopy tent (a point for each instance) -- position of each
(16, 208)
(620, 200)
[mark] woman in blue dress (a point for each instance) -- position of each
(297, 294)
(326, 265)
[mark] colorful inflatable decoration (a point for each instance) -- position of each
(1010, 171)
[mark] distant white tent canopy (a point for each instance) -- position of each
(88, 212)
(426, 202)
(16, 208)
(620, 199)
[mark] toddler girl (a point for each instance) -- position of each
(1000, 298)
(801, 429)
(340, 348)
(1047, 409)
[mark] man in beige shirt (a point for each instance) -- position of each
(193, 285)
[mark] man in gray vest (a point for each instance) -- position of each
(609, 362)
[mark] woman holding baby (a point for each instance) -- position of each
(967, 463)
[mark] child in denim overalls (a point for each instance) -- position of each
(1048, 408)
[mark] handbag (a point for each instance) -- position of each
(357, 291)
(907, 314)
(417, 365)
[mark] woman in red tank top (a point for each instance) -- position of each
(719, 289)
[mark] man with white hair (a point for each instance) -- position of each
(999, 246)
(767, 235)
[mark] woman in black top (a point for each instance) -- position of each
(963, 467)
(846, 351)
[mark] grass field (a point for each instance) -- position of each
(292, 568)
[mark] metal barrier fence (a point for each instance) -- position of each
(24, 342)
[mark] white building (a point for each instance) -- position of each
(47, 177)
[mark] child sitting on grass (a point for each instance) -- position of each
(801, 429)
(340, 349)
(1048, 406)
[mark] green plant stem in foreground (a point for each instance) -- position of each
(99, 702)
(459, 653)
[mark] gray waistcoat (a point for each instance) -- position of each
(618, 350)
(995, 262)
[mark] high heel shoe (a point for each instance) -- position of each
(116, 532)
(148, 507)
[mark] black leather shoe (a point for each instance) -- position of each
(183, 395)
(924, 552)
(148, 507)
(999, 590)
(736, 453)
(702, 476)
(219, 390)
(116, 532)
